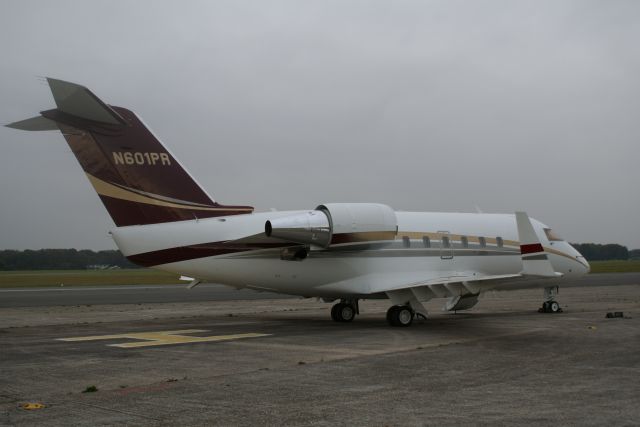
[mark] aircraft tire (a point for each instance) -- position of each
(400, 315)
(405, 316)
(554, 307)
(391, 315)
(347, 313)
(334, 312)
(342, 312)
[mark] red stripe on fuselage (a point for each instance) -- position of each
(531, 248)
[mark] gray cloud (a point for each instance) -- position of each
(438, 105)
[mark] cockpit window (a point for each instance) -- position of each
(552, 236)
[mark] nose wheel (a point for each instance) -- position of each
(550, 305)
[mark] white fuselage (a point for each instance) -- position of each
(235, 251)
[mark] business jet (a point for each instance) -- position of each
(339, 252)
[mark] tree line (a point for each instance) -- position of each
(62, 259)
(598, 252)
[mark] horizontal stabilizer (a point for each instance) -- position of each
(78, 101)
(34, 123)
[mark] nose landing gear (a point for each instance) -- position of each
(550, 305)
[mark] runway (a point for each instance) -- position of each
(284, 362)
(145, 294)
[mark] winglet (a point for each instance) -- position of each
(535, 261)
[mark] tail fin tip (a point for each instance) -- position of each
(77, 100)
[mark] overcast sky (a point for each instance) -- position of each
(425, 105)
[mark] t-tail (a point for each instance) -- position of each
(137, 178)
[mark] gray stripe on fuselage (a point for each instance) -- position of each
(380, 253)
(535, 257)
(409, 253)
(417, 244)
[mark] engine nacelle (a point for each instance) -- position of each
(336, 223)
(309, 228)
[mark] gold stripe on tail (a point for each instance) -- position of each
(104, 188)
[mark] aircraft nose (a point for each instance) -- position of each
(584, 268)
(585, 265)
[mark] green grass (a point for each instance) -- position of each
(33, 278)
(615, 266)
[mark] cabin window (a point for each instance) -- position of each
(552, 236)
(426, 241)
(499, 242)
(445, 242)
(483, 242)
(406, 242)
(465, 241)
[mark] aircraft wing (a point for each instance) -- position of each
(535, 267)
(445, 286)
(410, 288)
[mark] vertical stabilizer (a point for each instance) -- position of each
(138, 180)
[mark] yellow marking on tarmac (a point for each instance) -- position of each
(30, 406)
(148, 339)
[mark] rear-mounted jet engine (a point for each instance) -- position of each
(333, 223)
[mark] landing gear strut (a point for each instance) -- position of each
(400, 315)
(344, 311)
(550, 305)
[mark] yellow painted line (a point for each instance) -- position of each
(128, 335)
(148, 339)
(156, 339)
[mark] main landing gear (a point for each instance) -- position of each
(550, 305)
(400, 315)
(397, 315)
(344, 311)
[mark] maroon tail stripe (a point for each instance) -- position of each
(531, 248)
(203, 250)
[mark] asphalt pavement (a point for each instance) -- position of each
(284, 362)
